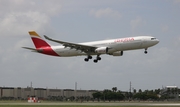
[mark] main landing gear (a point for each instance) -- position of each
(90, 57)
(97, 58)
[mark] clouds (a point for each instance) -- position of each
(137, 23)
(107, 13)
(19, 22)
(18, 16)
(81, 21)
(165, 28)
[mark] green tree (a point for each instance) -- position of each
(147, 95)
(140, 91)
(157, 91)
(120, 96)
(114, 89)
(97, 95)
(112, 95)
(134, 91)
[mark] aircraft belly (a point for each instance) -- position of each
(116, 48)
(69, 53)
(147, 44)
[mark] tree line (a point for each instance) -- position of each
(117, 95)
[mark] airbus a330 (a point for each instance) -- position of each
(114, 47)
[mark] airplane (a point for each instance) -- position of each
(114, 47)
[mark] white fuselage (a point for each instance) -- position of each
(114, 45)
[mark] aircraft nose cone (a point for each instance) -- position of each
(157, 41)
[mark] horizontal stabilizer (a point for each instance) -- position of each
(32, 49)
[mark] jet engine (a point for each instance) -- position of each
(102, 50)
(118, 53)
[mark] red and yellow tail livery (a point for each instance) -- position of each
(37, 40)
(41, 45)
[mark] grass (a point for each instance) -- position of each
(91, 104)
(72, 106)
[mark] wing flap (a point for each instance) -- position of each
(84, 48)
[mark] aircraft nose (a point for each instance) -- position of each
(157, 41)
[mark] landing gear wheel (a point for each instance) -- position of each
(86, 59)
(98, 58)
(95, 61)
(89, 57)
(145, 52)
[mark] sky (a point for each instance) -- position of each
(90, 20)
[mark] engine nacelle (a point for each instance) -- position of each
(102, 50)
(118, 53)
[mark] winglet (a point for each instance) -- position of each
(47, 37)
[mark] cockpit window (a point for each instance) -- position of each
(153, 38)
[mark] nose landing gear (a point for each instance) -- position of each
(145, 51)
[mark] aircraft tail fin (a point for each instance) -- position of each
(37, 40)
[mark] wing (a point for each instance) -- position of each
(83, 48)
